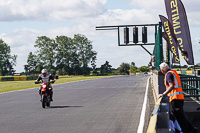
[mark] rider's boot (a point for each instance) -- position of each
(40, 94)
(51, 96)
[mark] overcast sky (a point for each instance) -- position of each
(22, 21)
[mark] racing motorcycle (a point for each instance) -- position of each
(45, 93)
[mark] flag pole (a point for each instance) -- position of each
(195, 71)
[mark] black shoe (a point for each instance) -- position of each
(51, 100)
(51, 97)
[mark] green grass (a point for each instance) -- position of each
(6, 86)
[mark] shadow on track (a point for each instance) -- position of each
(60, 107)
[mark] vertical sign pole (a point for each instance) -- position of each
(118, 37)
(161, 45)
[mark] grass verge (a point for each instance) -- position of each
(19, 85)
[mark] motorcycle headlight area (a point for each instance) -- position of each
(44, 86)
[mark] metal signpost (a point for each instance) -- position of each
(158, 48)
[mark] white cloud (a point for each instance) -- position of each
(20, 37)
(21, 42)
(120, 17)
(194, 18)
(51, 10)
(191, 5)
(158, 7)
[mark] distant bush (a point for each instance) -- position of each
(188, 68)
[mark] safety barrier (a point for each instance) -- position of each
(153, 118)
(159, 120)
(14, 78)
(186, 72)
(32, 77)
(7, 78)
(190, 85)
(20, 78)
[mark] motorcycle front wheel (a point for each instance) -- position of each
(48, 102)
(43, 101)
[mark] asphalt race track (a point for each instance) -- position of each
(108, 105)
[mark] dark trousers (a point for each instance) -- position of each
(177, 109)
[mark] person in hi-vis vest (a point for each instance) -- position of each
(176, 98)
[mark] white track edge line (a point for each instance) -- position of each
(142, 117)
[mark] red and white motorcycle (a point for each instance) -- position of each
(45, 93)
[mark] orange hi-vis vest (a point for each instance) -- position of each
(177, 92)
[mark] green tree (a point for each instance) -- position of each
(106, 68)
(133, 68)
(93, 64)
(7, 61)
(84, 52)
(188, 68)
(133, 64)
(124, 68)
(31, 63)
(26, 68)
(143, 69)
(66, 54)
(46, 53)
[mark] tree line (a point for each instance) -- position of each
(126, 68)
(63, 56)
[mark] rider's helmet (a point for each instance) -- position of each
(44, 72)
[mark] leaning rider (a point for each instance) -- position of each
(46, 79)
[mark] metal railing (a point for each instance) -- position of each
(191, 85)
